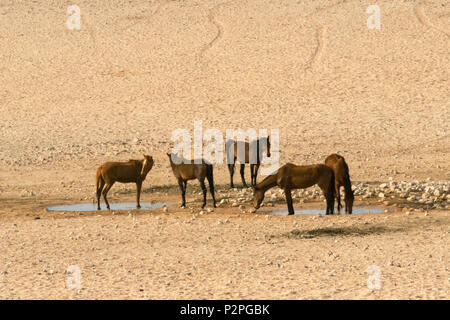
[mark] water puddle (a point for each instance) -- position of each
(114, 206)
(358, 210)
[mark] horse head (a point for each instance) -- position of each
(147, 165)
(258, 197)
(348, 199)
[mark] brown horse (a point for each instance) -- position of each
(125, 172)
(341, 179)
(290, 177)
(189, 171)
(254, 160)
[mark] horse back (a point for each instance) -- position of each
(121, 171)
(233, 153)
(249, 148)
(333, 159)
(189, 171)
(300, 177)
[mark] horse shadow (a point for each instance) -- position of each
(339, 231)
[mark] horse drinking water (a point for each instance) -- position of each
(290, 177)
(341, 179)
(125, 172)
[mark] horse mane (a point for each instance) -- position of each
(347, 175)
(136, 163)
(267, 183)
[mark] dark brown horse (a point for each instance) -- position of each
(189, 171)
(290, 177)
(256, 146)
(125, 172)
(341, 179)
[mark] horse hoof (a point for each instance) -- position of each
(138, 207)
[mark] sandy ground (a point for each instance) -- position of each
(224, 255)
(134, 72)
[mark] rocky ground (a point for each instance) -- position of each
(417, 194)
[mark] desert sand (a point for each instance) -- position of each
(136, 71)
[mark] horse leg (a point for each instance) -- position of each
(346, 207)
(138, 194)
(346, 201)
(242, 175)
(329, 196)
(331, 193)
(211, 188)
(255, 175)
(330, 204)
(182, 185)
(231, 169)
(287, 192)
(105, 192)
(252, 170)
(202, 184)
(100, 185)
(338, 198)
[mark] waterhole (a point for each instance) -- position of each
(114, 206)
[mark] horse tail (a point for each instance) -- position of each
(98, 177)
(347, 181)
